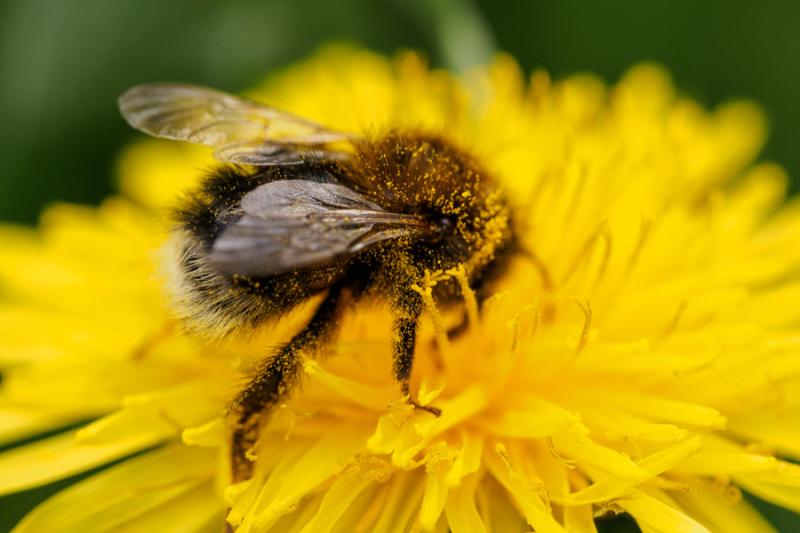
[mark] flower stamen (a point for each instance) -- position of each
(541, 268)
(440, 332)
(600, 234)
(676, 318)
(530, 315)
(644, 235)
(566, 463)
(586, 308)
(470, 301)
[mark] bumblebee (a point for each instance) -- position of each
(296, 210)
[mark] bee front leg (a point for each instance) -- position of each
(274, 381)
(405, 338)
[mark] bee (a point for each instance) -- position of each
(297, 210)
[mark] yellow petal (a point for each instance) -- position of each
(196, 511)
(781, 487)
(539, 419)
(321, 461)
(780, 431)
(156, 172)
(497, 513)
(579, 519)
(336, 503)
(124, 424)
(125, 492)
(405, 439)
(654, 516)
(370, 397)
(461, 509)
(530, 502)
(612, 486)
(433, 501)
(19, 422)
(164, 413)
(589, 454)
(619, 425)
(713, 463)
(61, 456)
(211, 434)
(467, 460)
(720, 513)
(243, 496)
(666, 410)
(403, 499)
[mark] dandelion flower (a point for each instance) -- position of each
(643, 357)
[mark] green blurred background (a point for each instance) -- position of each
(63, 63)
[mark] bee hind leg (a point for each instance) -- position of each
(274, 381)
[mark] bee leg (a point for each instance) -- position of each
(274, 381)
(404, 343)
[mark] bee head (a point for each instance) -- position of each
(423, 174)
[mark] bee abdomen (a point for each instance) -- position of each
(214, 304)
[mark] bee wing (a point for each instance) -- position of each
(291, 224)
(242, 131)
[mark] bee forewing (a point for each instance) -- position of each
(241, 130)
(291, 224)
